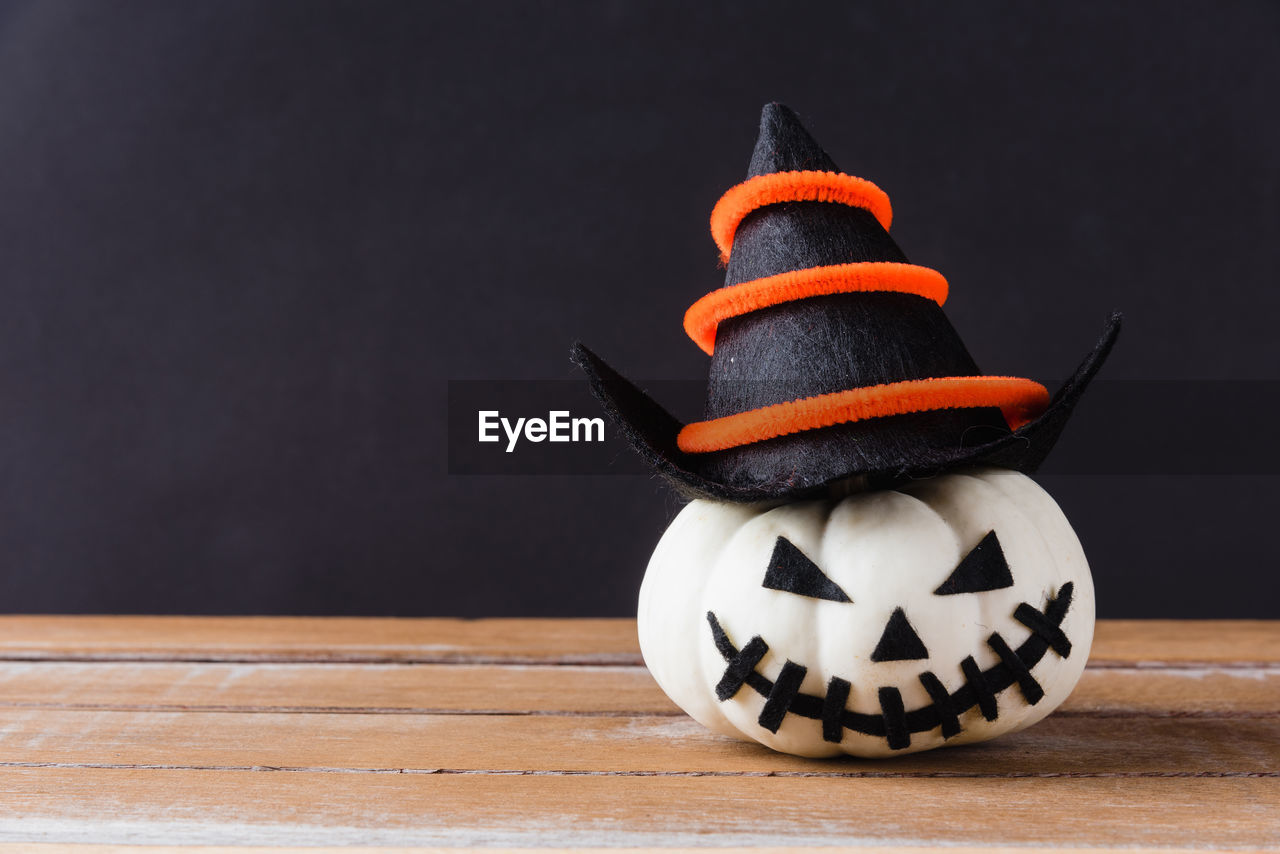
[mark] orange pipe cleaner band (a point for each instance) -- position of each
(806, 186)
(705, 315)
(1019, 400)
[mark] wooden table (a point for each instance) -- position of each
(328, 732)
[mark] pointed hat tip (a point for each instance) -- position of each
(774, 110)
(785, 146)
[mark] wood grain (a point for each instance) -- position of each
(328, 808)
(90, 848)
(318, 732)
(604, 641)
(1164, 643)
(319, 639)
(374, 743)
(590, 689)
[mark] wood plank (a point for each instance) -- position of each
(300, 808)
(91, 848)
(587, 689)
(578, 641)
(320, 639)
(590, 689)
(1126, 643)
(1058, 746)
(1176, 692)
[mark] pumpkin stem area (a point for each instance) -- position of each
(845, 487)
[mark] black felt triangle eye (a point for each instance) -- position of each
(983, 568)
(791, 572)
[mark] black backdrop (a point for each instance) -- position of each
(245, 247)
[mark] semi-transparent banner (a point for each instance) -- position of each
(1122, 427)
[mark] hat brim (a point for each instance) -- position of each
(809, 463)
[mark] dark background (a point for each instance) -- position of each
(244, 247)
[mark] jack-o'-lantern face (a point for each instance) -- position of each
(983, 569)
(944, 612)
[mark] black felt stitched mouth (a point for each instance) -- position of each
(894, 722)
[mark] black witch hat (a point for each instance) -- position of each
(831, 356)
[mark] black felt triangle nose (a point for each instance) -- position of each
(899, 642)
(785, 146)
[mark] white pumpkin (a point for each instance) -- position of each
(946, 611)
